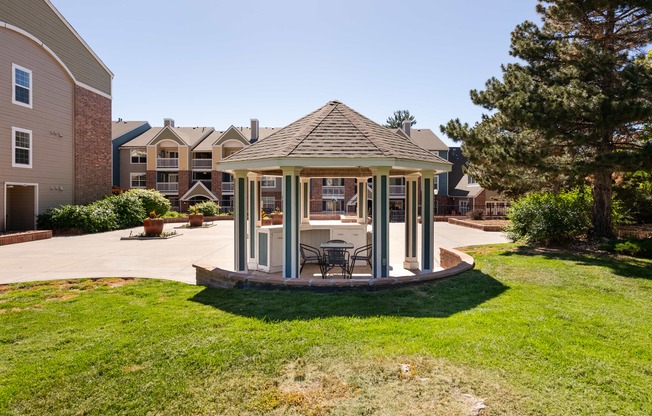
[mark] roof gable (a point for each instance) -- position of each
(232, 133)
(198, 189)
(166, 133)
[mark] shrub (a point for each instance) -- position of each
(634, 247)
(476, 214)
(545, 218)
(93, 218)
(128, 209)
(172, 214)
(152, 200)
(208, 208)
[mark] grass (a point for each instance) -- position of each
(526, 333)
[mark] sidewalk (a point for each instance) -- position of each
(105, 255)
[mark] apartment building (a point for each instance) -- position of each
(55, 115)
(180, 162)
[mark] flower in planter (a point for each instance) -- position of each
(194, 210)
(153, 215)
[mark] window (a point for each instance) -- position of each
(269, 203)
(21, 147)
(138, 156)
(22, 79)
(333, 182)
(472, 181)
(138, 180)
(268, 182)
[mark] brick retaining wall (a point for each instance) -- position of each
(24, 237)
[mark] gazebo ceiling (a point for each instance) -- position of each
(334, 140)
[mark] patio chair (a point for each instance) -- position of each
(336, 258)
(361, 253)
(310, 254)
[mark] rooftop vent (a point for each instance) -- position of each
(254, 130)
(168, 122)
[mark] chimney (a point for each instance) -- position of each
(254, 130)
(168, 122)
(407, 124)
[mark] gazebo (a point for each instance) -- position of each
(334, 141)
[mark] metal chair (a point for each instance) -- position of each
(310, 254)
(336, 258)
(361, 253)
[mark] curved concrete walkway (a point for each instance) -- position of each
(105, 255)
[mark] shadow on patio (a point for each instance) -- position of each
(434, 300)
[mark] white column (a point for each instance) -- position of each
(427, 221)
(362, 200)
(254, 218)
(305, 200)
(291, 214)
(411, 202)
(380, 181)
(240, 219)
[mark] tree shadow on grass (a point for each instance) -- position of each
(619, 265)
(434, 300)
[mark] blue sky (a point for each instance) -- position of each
(217, 63)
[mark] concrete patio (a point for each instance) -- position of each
(106, 255)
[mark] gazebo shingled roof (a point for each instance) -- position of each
(334, 131)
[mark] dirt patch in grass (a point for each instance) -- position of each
(382, 386)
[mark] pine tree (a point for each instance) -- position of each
(573, 109)
(396, 121)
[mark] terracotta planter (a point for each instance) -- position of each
(266, 221)
(277, 219)
(153, 226)
(196, 220)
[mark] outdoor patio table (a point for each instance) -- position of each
(336, 255)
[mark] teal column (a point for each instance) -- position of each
(291, 220)
(411, 220)
(380, 261)
(427, 221)
(240, 220)
(362, 200)
(254, 218)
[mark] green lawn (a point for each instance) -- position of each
(526, 333)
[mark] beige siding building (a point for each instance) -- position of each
(55, 122)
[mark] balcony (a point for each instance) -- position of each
(397, 191)
(329, 192)
(227, 188)
(202, 163)
(167, 163)
(169, 187)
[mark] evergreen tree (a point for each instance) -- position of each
(573, 108)
(396, 121)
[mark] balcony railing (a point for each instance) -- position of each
(202, 163)
(396, 190)
(167, 186)
(227, 188)
(332, 192)
(167, 162)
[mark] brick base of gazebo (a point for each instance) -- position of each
(452, 261)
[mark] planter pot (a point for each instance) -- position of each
(153, 226)
(277, 219)
(196, 220)
(266, 221)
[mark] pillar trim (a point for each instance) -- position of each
(380, 225)
(253, 221)
(362, 200)
(427, 221)
(240, 220)
(411, 261)
(291, 220)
